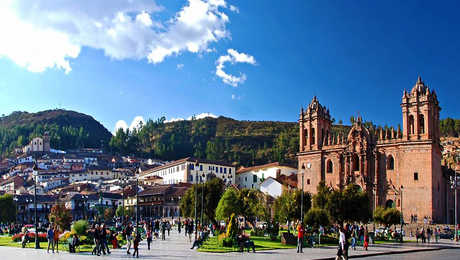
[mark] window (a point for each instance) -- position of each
(245, 179)
(254, 178)
(225, 170)
(411, 124)
(191, 166)
(390, 163)
(415, 176)
(329, 166)
(230, 170)
(312, 136)
(308, 181)
(421, 123)
(220, 169)
(355, 162)
(191, 178)
(201, 167)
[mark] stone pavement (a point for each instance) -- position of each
(177, 247)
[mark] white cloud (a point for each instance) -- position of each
(234, 9)
(199, 116)
(50, 33)
(134, 124)
(120, 124)
(233, 57)
(202, 115)
(235, 97)
(179, 66)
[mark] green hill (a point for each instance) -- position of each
(67, 130)
(241, 142)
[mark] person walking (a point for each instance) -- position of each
(50, 237)
(149, 238)
(104, 239)
(163, 230)
(179, 224)
(436, 234)
(168, 227)
(300, 233)
(129, 237)
(341, 247)
(366, 239)
(137, 240)
(56, 238)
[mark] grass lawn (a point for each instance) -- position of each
(261, 243)
(7, 241)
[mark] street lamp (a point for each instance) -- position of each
(202, 200)
(402, 214)
(15, 199)
(137, 202)
(123, 181)
(196, 199)
(37, 243)
(84, 199)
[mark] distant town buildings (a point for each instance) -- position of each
(252, 177)
(192, 170)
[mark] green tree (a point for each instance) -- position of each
(321, 196)
(213, 190)
(108, 214)
(252, 205)
(8, 208)
(352, 204)
(316, 217)
(128, 212)
(228, 204)
(287, 206)
(387, 216)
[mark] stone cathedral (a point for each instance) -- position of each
(398, 168)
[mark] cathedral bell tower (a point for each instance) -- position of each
(315, 124)
(420, 110)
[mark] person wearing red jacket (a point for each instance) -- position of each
(300, 233)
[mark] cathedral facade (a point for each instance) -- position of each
(397, 168)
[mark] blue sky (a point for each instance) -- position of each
(356, 56)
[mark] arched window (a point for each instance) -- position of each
(390, 163)
(329, 166)
(313, 135)
(421, 123)
(411, 124)
(389, 204)
(355, 162)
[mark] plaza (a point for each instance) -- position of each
(176, 246)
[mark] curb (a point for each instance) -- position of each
(388, 253)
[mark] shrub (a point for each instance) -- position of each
(259, 232)
(227, 242)
(80, 227)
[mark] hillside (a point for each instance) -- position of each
(67, 129)
(241, 142)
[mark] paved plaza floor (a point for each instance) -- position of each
(177, 247)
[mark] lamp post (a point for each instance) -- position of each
(123, 181)
(137, 202)
(402, 214)
(15, 199)
(196, 199)
(455, 198)
(37, 243)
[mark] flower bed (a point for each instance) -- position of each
(31, 236)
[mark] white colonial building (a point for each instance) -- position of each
(192, 170)
(97, 174)
(252, 177)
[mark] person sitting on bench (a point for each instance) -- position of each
(245, 242)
